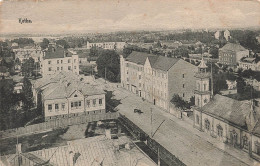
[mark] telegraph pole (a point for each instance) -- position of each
(151, 122)
(105, 74)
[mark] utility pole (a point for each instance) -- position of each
(151, 122)
(105, 74)
(212, 92)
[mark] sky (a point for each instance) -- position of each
(57, 16)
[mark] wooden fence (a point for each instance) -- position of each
(57, 123)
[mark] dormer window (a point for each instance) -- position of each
(75, 95)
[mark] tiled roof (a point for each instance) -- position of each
(63, 84)
(138, 57)
(164, 63)
(231, 110)
(233, 47)
(157, 62)
(58, 53)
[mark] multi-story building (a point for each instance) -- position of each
(249, 63)
(57, 59)
(107, 45)
(28, 52)
(157, 78)
(65, 94)
(228, 120)
(231, 53)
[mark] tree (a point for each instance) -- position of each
(28, 94)
(214, 52)
(108, 65)
(28, 66)
(45, 43)
(179, 102)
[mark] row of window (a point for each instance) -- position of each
(61, 61)
(61, 68)
(207, 126)
(75, 105)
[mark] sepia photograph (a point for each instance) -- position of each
(129, 82)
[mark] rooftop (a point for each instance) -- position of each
(157, 62)
(228, 109)
(64, 84)
(58, 52)
(233, 47)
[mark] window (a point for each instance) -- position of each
(50, 107)
(100, 101)
(49, 62)
(182, 75)
(183, 85)
(88, 103)
(75, 67)
(94, 102)
(49, 68)
(79, 103)
(204, 87)
(58, 61)
(207, 124)
(56, 107)
(76, 104)
(58, 68)
(139, 77)
(183, 95)
(220, 131)
(61, 61)
(61, 68)
(68, 60)
(63, 106)
(69, 67)
(71, 105)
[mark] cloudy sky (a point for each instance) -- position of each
(58, 16)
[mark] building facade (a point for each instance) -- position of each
(107, 45)
(249, 63)
(28, 52)
(58, 59)
(157, 78)
(231, 53)
(65, 94)
(230, 121)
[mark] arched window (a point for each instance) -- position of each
(220, 131)
(245, 142)
(207, 124)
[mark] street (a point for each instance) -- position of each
(191, 146)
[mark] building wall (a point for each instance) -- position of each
(75, 109)
(182, 73)
(51, 66)
(231, 58)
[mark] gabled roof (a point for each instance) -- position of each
(138, 57)
(54, 53)
(233, 47)
(157, 62)
(231, 110)
(164, 63)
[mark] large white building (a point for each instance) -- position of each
(57, 59)
(157, 78)
(107, 45)
(65, 94)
